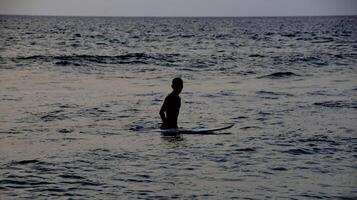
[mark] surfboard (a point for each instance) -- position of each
(177, 131)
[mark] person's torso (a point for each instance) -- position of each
(173, 108)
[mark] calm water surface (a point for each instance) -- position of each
(79, 102)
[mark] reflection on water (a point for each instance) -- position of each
(176, 139)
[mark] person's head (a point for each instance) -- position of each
(177, 85)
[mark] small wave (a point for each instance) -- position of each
(100, 150)
(250, 127)
(298, 151)
(64, 130)
(16, 181)
(279, 169)
(180, 36)
(188, 69)
(59, 190)
(64, 114)
(306, 59)
(240, 117)
(9, 182)
(226, 93)
(70, 176)
(345, 197)
(289, 35)
(256, 56)
(337, 104)
(83, 183)
(322, 40)
(266, 94)
(54, 115)
(66, 63)
(320, 93)
(201, 64)
(319, 139)
(245, 150)
(24, 162)
(264, 113)
(68, 106)
(11, 131)
(11, 99)
(138, 180)
(278, 75)
(92, 112)
(316, 60)
(129, 58)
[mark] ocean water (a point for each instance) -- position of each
(80, 96)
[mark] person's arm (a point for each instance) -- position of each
(162, 112)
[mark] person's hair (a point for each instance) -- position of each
(177, 84)
(177, 81)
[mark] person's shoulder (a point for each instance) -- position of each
(168, 97)
(172, 96)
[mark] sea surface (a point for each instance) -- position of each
(80, 100)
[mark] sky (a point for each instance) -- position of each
(179, 7)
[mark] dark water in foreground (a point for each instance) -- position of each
(79, 96)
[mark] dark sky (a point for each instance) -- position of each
(179, 7)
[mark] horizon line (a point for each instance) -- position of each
(178, 16)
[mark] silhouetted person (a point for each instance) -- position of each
(170, 109)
